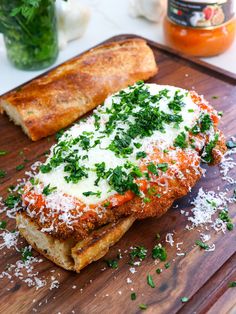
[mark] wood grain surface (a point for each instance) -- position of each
(201, 276)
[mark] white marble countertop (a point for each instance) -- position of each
(108, 18)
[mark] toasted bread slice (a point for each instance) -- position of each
(56, 99)
(67, 253)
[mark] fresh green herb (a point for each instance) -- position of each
(232, 284)
(112, 263)
(107, 204)
(158, 270)
(20, 167)
(76, 172)
(121, 182)
(230, 144)
(190, 110)
(150, 281)
(3, 152)
(230, 226)
(146, 200)
(96, 121)
(133, 296)
(220, 113)
(2, 173)
(89, 193)
(59, 134)
(143, 306)
(177, 103)
(30, 28)
(215, 97)
(152, 168)
(207, 153)
(26, 253)
(202, 245)
(184, 299)
(159, 252)
(47, 190)
(3, 224)
(12, 200)
(163, 166)
(140, 155)
(45, 168)
(137, 145)
(34, 181)
(180, 141)
(167, 265)
(224, 216)
(206, 123)
(138, 252)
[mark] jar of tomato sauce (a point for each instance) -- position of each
(200, 28)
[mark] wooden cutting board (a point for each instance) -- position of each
(201, 276)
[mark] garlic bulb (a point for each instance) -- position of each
(72, 20)
(150, 9)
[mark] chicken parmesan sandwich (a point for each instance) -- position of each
(131, 159)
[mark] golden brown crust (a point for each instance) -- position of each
(58, 98)
(67, 253)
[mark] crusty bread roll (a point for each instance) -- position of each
(56, 99)
(68, 253)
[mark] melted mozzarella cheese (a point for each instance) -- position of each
(100, 154)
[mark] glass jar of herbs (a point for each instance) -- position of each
(30, 32)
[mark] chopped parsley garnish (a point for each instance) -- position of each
(3, 152)
(177, 103)
(232, 284)
(138, 252)
(152, 168)
(204, 124)
(26, 253)
(133, 296)
(34, 181)
(47, 190)
(146, 200)
(150, 281)
(184, 299)
(207, 154)
(20, 167)
(230, 144)
(112, 263)
(89, 193)
(214, 97)
(121, 182)
(12, 200)
(143, 306)
(180, 141)
(45, 168)
(140, 155)
(163, 166)
(159, 252)
(158, 271)
(59, 134)
(202, 245)
(3, 224)
(76, 171)
(167, 265)
(2, 173)
(224, 216)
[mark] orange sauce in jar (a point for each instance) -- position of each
(199, 28)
